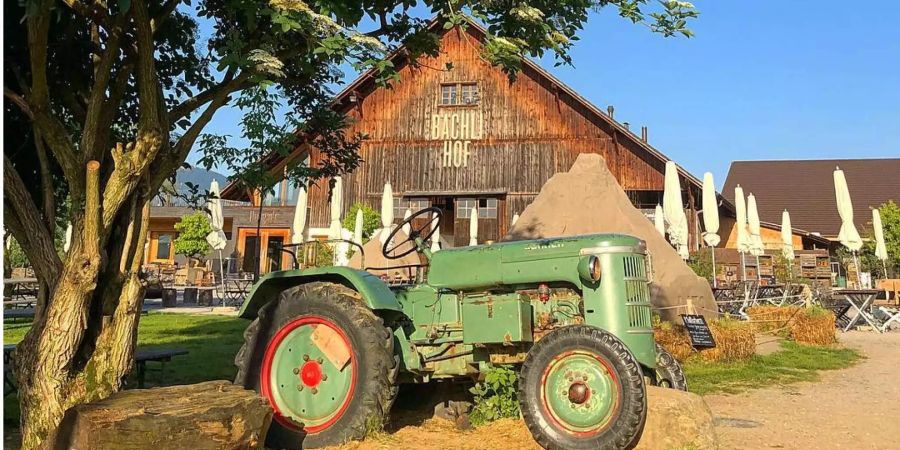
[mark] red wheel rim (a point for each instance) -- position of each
(308, 374)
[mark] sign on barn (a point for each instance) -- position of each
(457, 129)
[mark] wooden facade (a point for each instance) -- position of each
(495, 143)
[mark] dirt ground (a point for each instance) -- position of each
(856, 408)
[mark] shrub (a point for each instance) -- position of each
(496, 396)
(191, 240)
(371, 220)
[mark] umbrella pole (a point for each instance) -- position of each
(743, 268)
(858, 271)
(758, 273)
(712, 252)
(222, 276)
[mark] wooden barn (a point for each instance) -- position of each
(468, 136)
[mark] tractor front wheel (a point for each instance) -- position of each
(581, 388)
(669, 372)
(324, 361)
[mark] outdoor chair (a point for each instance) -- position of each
(888, 317)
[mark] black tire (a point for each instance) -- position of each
(669, 372)
(372, 349)
(624, 425)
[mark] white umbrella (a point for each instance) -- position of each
(436, 237)
(659, 220)
(515, 219)
(743, 238)
(300, 212)
(216, 238)
(337, 199)
(756, 244)
(673, 209)
(387, 212)
(711, 219)
(710, 211)
(787, 236)
(407, 228)
(880, 247)
(342, 248)
(473, 226)
(68, 241)
(848, 235)
(358, 227)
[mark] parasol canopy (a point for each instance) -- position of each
(299, 223)
(387, 213)
(407, 227)
(216, 238)
(787, 236)
(473, 226)
(659, 220)
(848, 235)
(66, 244)
(740, 209)
(436, 237)
(878, 228)
(358, 227)
(756, 244)
(515, 219)
(710, 211)
(337, 200)
(673, 209)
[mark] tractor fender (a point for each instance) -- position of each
(374, 292)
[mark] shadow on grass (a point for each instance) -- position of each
(794, 363)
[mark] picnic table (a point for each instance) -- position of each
(19, 289)
(141, 358)
(860, 300)
(236, 289)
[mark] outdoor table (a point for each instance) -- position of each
(773, 293)
(236, 289)
(860, 300)
(20, 288)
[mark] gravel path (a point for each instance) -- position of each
(856, 408)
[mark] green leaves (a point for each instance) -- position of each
(191, 240)
(496, 397)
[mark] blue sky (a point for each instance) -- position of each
(764, 79)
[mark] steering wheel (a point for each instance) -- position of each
(414, 233)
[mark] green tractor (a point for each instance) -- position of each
(330, 347)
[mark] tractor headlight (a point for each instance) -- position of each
(589, 268)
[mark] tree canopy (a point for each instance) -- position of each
(191, 240)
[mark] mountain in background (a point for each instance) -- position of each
(200, 177)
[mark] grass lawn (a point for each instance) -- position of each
(211, 342)
(792, 364)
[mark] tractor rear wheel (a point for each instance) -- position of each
(324, 361)
(669, 372)
(581, 388)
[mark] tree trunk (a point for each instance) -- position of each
(82, 345)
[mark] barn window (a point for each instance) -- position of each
(413, 204)
(459, 94)
(487, 208)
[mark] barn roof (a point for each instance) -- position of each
(806, 189)
(366, 83)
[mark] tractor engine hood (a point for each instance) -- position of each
(523, 262)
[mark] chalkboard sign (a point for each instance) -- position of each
(698, 330)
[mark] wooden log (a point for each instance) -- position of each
(169, 297)
(210, 415)
(204, 297)
(190, 295)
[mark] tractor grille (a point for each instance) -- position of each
(637, 292)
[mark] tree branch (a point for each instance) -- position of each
(93, 125)
(47, 192)
(19, 101)
(23, 220)
(188, 106)
(149, 91)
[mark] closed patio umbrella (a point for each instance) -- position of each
(358, 227)
(436, 237)
(216, 238)
(673, 209)
(407, 228)
(740, 223)
(711, 219)
(880, 247)
(387, 213)
(300, 211)
(848, 236)
(337, 199)
(659, 220)
(473, 226)
(787, 236)
(515, 219)
(756, 243)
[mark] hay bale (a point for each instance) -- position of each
(814, 326)
(735, 341)
(771, 318)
